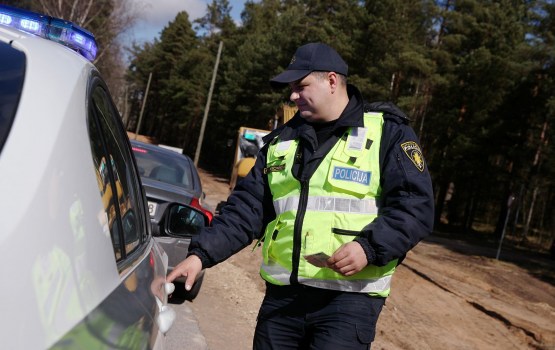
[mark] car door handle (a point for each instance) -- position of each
(169, 288)
(166, 318)
(166, 314)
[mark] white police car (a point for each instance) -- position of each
(79, 269)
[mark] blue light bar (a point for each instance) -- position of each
(52, 28)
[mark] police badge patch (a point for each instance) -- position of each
(412, 150)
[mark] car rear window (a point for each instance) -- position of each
(12, 73)
(162, 167)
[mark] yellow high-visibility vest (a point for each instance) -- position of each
(339, 203)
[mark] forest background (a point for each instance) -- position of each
(477, 79)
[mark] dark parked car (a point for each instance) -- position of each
(171, 177)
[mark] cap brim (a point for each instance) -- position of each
(288, 76)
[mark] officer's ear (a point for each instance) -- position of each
(333, 81)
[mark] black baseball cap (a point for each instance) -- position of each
(307, 59)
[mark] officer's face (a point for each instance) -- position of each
(312, 96)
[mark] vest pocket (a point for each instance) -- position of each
(340, 231)
(276, 241)
(268, 238)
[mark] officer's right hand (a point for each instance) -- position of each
(189, 268)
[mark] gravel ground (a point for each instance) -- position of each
(446, 295)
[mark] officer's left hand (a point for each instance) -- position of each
(348, 259)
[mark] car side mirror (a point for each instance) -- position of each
(185, 221)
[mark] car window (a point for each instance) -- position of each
(117, 179)
(12, 73)
(160, 166)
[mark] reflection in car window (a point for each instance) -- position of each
(123, 194)
(104, 184)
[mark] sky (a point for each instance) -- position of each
(157, 14)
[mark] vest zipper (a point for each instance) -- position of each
(297, 234)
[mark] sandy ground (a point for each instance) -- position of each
(446, 295)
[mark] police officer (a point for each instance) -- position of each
(337, 197)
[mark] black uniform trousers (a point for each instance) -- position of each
(302, 317)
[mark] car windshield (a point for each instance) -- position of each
(163, 167)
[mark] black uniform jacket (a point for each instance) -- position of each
(405, 207)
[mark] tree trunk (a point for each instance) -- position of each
(530, 212)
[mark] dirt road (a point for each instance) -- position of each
(446, 295)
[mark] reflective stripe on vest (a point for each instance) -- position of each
(281, 275)
(339, 201)
(328, 204)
